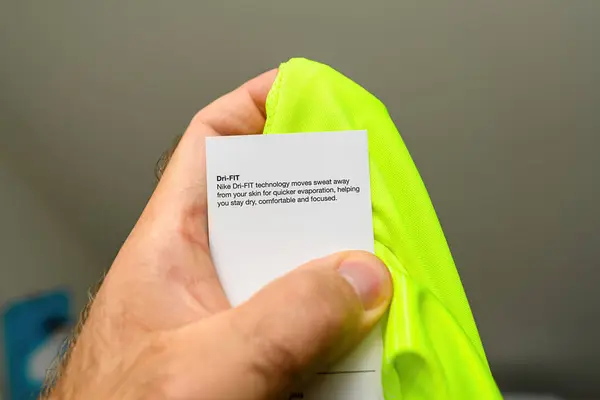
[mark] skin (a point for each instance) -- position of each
(161, 326)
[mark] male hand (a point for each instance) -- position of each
(161, 327)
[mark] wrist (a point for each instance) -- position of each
(89, 374)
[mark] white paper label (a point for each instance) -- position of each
(278, 201)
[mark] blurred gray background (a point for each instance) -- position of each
(497, 102)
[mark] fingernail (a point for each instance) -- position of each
(368, 278)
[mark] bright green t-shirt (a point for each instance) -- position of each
(432, 349)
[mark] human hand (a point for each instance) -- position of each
(161, 327)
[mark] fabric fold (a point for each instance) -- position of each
(432, 349)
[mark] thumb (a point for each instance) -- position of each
(307, 319)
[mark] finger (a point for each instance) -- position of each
(296, 325)
(171, 234)
(183, 185)
(229, 115)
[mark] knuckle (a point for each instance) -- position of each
(278, 358)
(323, 302)
(305, 320)
(307, 286)
(272, 358)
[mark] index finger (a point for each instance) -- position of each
(182, 188)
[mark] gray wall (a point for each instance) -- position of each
(497, 102)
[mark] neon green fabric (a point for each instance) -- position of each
(432, 348)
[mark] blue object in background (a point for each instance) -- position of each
(35, 329)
